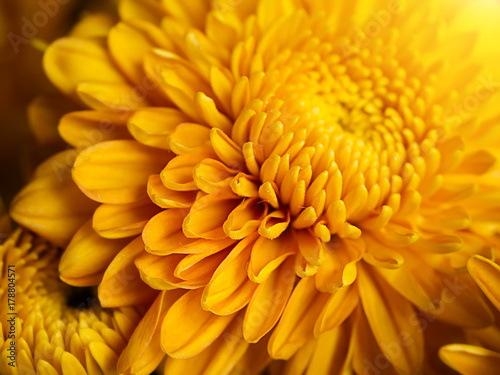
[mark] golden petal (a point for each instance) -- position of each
(153, 126)
(123, 220)
(297, 322)
(310, 247)
(190, 138)
(121, 284)
(487, 275)
(147, 10)
(477, 163)
(229, 289)
(143, 352)
(210, 113)
(213, 177)
(178, 174)
(158, 272)
(87, 256)
(207, 216)
(187, 329)
(225, 148)
(167, 198)
(163, 236)
(469, 359)
(245, 219)
(118, 97)
(274, 224)
(244, 185)
(117, 171)
(51, 205)
(44, 113)
(387, 313)
(71, 61)
(128, 44)
(86, 128)
(340, 265)
(339, 307)
(267, 255)
(219, 358)
(268, 302)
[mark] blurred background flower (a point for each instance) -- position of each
(26, 28)
(57, 329)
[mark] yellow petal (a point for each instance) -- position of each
(93, 26)
(388, 312)
(117, 171)
(153, 126)
(163, 235)
(51, 205)
(118, 97)
(274, 224)
(143, 352)
(213, 117)
(178, 174)
(70, 365)
(245, 219)
(228, 151)
(244, 185)
(188, 138)
(147, 10)
(297, 322)
(268, 302)
(339, 266)
(310, 247)
(45, 368)
(487, 275)
(121, 284)
(213, 177)
(331, 354)
(219, 358)
(477, 163)
(207, 216)
(123, 220)
(229, 289)
(339, 307)
(469, 359)
(128, 44)
(267, 255)
(86, 128)
(193, 14)
(44, 113)
(87, 256)
(158, 271)
(166, 198)
(104, 356)
(462, 303)
(187, 329)
(70, 61)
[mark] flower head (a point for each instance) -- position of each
(283, 168)
(44, 327)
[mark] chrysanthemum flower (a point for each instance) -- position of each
(280, 171)
(51, 331)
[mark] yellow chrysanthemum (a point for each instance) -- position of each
(293, 169)
(44, 328)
